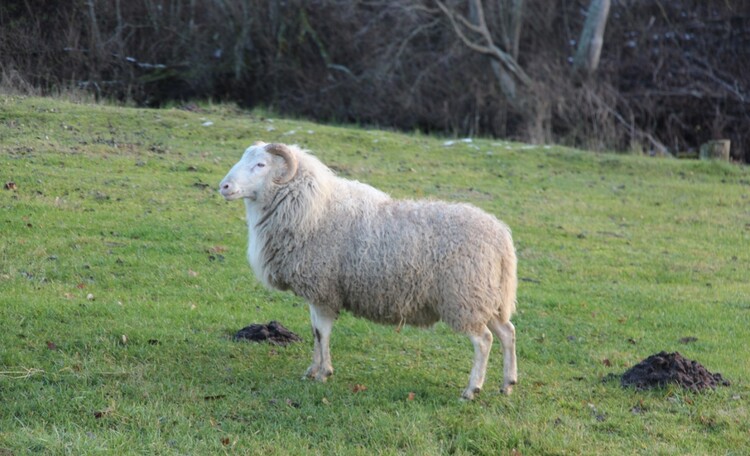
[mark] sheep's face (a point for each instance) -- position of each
(250, 176)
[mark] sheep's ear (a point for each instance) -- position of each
(289, 158)
(259, 143)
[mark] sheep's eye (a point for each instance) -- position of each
(260, 165)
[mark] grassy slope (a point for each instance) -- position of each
(620, 257)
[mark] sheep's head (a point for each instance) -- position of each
(261, 166)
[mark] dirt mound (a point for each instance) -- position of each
(662, 368)
(274, 332)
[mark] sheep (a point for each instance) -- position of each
(344, 245)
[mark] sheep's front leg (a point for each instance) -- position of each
(482, 344)
(322, 323)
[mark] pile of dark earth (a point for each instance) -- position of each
(274, 332)
(663, 368)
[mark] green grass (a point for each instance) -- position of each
(619, 257)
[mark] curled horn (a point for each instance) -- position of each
(289, 158)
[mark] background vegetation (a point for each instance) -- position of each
(670, 75)
(123, 276)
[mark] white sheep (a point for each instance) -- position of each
(341, 244)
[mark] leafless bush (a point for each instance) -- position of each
(671, 72)
(679, 69)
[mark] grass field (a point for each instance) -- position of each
(123, 276)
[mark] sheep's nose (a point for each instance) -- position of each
(226, 188)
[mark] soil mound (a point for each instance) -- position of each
(662, 368)
(274, 332)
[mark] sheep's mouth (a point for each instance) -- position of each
(237, 194)
(231, 196)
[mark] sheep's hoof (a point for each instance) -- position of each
(323, 375)
(469, 393)
(312, 372)
(507, 389)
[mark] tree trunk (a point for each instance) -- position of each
(510, 18)
(511, 15)
(716, 149)
(590, 44)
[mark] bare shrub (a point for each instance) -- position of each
(670, 76)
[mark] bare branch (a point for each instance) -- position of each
(477, 47)
(23, 372)
(489, 48)
(469, 25)
(658, 146)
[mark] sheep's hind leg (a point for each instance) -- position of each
(312, 371)
(322, 323)
(482, 346)
(506, 332)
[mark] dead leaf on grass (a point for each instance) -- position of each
(358, 388)
(51, 345)
(411, 396)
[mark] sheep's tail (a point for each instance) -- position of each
(508, 280)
